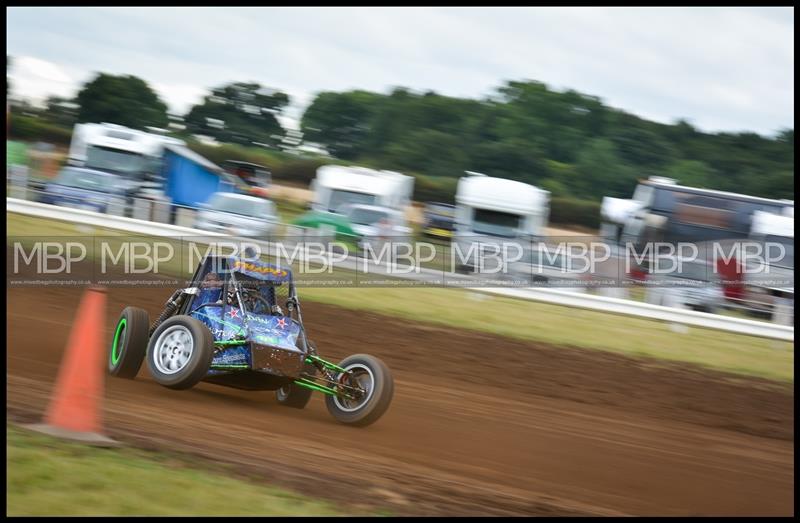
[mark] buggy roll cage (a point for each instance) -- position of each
(231, 285)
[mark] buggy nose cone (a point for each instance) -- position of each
(278, 360)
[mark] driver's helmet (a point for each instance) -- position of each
(260, 298)
(210, 288)
(211, 281)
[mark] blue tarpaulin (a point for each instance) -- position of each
(190, 178)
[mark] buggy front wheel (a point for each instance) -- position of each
(180, 352)
(365, 391)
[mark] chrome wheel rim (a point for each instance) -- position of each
(362, 375)
(173, 349)
(283, 393)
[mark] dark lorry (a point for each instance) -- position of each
(674, 213)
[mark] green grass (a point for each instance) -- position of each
(23, 225)
(561, 325)
(47, 476)
(526, 320)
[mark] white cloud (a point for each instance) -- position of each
(179, 97)
(722, 68)
(36, 79)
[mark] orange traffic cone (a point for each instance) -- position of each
(76, 406)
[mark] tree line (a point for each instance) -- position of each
(567, 142)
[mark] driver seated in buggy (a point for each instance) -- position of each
(210, 290)
(259, 298)
(241, 301)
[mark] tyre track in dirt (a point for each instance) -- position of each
(479, 425)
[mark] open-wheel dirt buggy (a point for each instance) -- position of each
(230, 328)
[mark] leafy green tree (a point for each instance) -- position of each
(602, 170)
(692, 173)
(125, 100)
(341, 121)
(562, 178)
(241, 113)
(557, 188)
(785, 136)
(440, 152)
(643, 147)
(512, 158)
(61, 111)
(776, 184)
(524, 130)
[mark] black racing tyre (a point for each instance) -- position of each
(129, 344)
(295, 396)
(374, 376)
(180, 352)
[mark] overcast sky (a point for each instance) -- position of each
(726, 69)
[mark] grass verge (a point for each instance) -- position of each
(47, 476)
(560, 325)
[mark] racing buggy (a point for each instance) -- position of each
(230, 328)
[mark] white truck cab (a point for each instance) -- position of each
(118, 149)
(496, 210)
(337, 186)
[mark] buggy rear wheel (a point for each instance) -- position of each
(129, 344)
(293, 396)
(373, 380)
(180, 352)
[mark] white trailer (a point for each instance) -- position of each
(770, 224)
(775, 282)
(500, 207)
(493, 211)
(336, 186)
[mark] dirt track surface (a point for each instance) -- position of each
(479, 425)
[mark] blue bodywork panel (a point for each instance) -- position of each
(237, 355)
(227, 322)
(265, 329)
